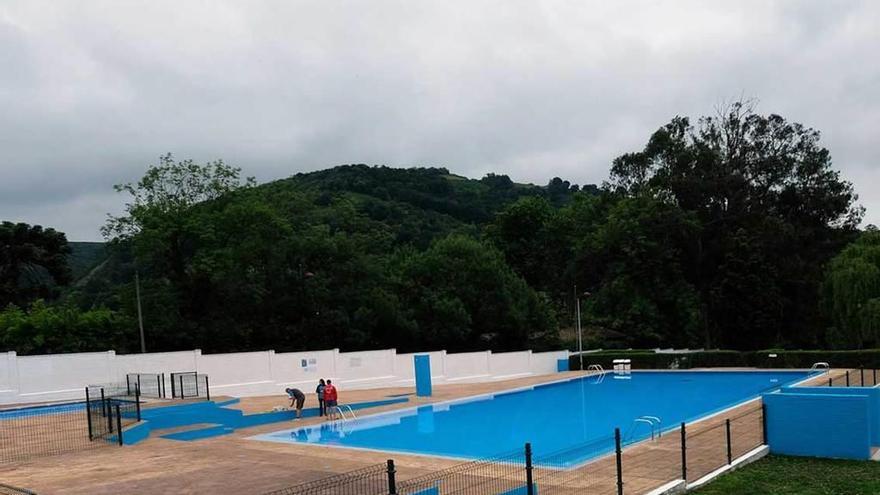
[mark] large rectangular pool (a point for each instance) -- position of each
(553, 417)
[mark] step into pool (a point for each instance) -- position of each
(553, 417)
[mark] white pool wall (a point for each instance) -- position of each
(52, 377)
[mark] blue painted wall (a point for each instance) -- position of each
(422, 364)
(819, 425)
(873, 394)
(561, 365)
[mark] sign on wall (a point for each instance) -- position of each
(309, 365)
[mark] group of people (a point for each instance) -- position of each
(327, 399)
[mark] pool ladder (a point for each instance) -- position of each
(653, 421)
(341, 409)
(596, 367)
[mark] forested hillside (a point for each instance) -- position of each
(718, 233)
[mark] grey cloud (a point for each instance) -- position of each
(92, 92)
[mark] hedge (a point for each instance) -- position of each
(726, 359)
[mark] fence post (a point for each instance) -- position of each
(764, 422)
(619, 456)
(127, 385)
(530, 489)
(847, 378)
(139, 381)
(173, 387)
(875, 376)
(137, 400)
(89, 414)
(180, 377)
(207, 388)
(118, 424)
(161, 379)
(861, 377)
(103, 404)
(684, 462)
(392, 482)
(830, 383)
(729, 451)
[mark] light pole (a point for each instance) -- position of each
(579, 329)
(137, 290)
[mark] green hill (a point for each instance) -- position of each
(85, 256)
(327, 258)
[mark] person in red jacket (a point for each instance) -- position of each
(330, 399)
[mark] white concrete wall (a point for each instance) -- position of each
(64, 376)
(510, 364)
(468, 366)
(8, 381)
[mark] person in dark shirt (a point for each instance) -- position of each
(320, 392)
(296, 396)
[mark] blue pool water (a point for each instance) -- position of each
(553, 417)
(23, 412)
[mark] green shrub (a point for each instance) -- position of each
(642, 359)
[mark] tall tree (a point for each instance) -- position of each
(633, 263)
(33, 263)
(463, 296)
(532, 234)
(852, 294)
(772, 212)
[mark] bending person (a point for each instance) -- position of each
(296, 396)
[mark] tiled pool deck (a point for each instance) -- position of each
(235, 465)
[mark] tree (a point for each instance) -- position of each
(852, 294)
(634, 263)
(62, 327)
(161, 230)
(771, 209)
(464, 297)
(33, 263)
(533, 237)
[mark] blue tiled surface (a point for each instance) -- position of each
(223, 420)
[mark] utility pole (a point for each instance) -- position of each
(577, 298)
(137, 290)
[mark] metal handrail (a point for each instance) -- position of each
(350, 410)
(653, 421)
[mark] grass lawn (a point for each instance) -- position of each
(801, 476)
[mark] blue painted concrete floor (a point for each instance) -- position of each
(212, 419)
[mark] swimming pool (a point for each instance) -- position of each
(553, 417)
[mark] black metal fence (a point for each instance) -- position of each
(373, 480)
(46, 430)
(855, 378)
(707, 448)
(150, 384)
(11, 490)
(568, 470)
(109, 410)
(606, 466)
(190, 385)
(498, 474)
(98, 420)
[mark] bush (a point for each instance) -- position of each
(642, 359)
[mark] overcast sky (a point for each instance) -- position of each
(91, 93)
